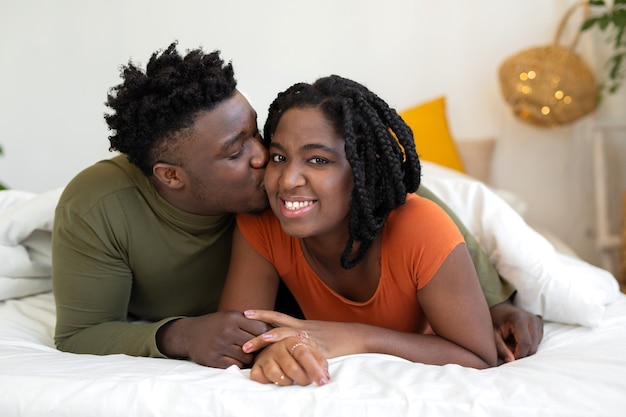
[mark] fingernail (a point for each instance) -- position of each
(248, 313)
(322, 381)
(246, 347)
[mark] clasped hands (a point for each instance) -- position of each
(296, 351)
(288, 354)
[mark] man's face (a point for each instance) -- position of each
(224, 160)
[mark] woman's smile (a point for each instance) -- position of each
(296, 208)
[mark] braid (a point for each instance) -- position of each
(379, 147)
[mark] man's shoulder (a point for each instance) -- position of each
(100, 180)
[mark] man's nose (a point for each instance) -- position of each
(260, 155)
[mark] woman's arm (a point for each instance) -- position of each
(452, 302)
(457, 311)
(252, 281)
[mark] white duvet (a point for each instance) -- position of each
(579, 370)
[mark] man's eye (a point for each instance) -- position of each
(237, 154)
(277, 158)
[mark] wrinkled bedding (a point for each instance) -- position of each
(579, 370)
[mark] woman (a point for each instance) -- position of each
(374, 267)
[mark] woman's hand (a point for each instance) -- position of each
(288, 361)
(331, 339)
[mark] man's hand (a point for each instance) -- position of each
(517, 331)
(213, 340)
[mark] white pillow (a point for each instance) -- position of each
(558, 287)
(25, 242)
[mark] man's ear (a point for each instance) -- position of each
(171, 176)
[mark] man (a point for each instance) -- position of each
(141, 242)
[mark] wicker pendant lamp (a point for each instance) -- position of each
(550, 85)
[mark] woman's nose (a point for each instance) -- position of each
(291, 176)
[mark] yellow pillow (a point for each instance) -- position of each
(432, 136)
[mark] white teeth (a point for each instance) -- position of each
(295, 205)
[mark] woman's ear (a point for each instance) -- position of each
(172, 176)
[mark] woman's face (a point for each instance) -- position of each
(308, 178)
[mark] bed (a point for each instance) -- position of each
(579, 369)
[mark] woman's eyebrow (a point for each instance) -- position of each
(308, 146)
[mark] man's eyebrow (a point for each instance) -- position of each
(232, 141)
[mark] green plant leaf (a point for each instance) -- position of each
(619, 39)
(603, 21)
(618, 17)
(2, 186)
(616, 64)
(610, 17)
(587, 24)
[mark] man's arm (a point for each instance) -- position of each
(92, 285)
(92, 289)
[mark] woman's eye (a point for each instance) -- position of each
(318, 160)
(277, 158)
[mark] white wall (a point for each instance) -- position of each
(59, 58)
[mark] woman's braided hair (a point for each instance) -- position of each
(379, 147)
(150, 107)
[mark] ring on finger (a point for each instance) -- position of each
(282, 378)
(296, 346)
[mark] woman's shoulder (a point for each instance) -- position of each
(420, 215)
(263, 227)
(266, 217)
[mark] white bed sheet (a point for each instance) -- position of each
(578, 371)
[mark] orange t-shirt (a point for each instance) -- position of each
(416, 238)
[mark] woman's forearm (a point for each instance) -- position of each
(423, 348)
